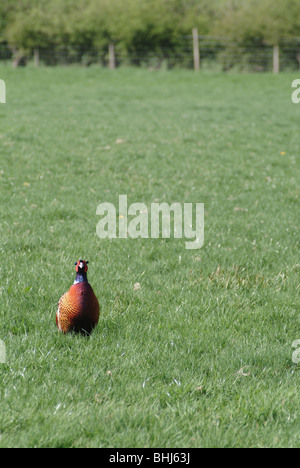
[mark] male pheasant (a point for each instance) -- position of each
(78, 309)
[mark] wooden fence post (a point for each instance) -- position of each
(196, 49)
(112, 56)
(276, 61)
(36, 57)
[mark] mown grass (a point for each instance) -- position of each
(199, 356)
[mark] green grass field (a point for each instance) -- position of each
(201, 355)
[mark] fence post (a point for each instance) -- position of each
(36, 57)
(196, 49)
(112, 56)
(276, 62)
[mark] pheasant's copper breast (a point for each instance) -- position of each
(78, 309)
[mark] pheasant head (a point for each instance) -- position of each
(81, 271)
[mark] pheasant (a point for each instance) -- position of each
(78, 309)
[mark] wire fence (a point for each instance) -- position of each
(216, 53)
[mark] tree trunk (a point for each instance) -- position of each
(19, 59)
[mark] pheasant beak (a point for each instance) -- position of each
(81, 265)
